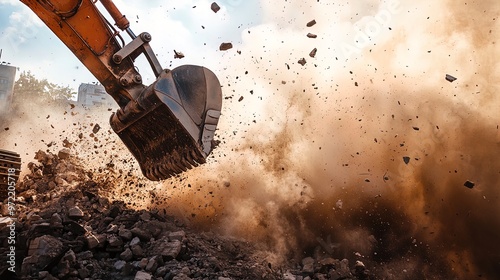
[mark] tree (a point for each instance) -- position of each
(29, 88)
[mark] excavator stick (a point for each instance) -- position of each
(10, 167)
(176, 130)
(168, 126)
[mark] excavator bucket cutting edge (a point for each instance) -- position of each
(172, 125)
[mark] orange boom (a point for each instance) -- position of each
(168, 126)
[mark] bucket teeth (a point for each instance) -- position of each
(186, 163)
(190, 159)
(150, 174)
(164, 171)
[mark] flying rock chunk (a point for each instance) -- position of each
(406, 160)
(96, 128)
(450, 78)
(311, 23)
(310, 35)
(469, 184)
(215, 7)
(313, 52)
(302, 61)
(225, 46)
(178, 55)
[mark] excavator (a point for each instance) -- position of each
(168, 126)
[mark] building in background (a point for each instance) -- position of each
(92, 95)
(7, 80)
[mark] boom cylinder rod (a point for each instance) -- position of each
(120, 20)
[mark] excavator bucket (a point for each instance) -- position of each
(171, 126)
(10, 167)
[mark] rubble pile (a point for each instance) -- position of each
(67, 229)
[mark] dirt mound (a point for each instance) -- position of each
(68, 228)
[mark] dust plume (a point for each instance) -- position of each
(365, 151)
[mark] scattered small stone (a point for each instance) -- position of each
(75, 212)
(142, 234)
(119, 265)
(127, 255)
(302, 61)
(311, 35)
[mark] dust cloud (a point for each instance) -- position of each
(365, 151)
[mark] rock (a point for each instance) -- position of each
(289, 276)
(178, 55)
(328, 263)
(302, 61)
(168, 250)
(118, 265)
(64, 153)
(469, 184)
(56, 221)
(141, 275)
(114, 240)
(225, 46)
(75, 212)
(143, 263)
(125, 234)
(359, 266)
(406, 160)
(42, 251)
(450, 78)
(127, 255)
(152, 264)
(215, 8)
(142, 234)
(313, 52)
(137, 250)
(135, 241)
(86, 255)
(310, 35)
(177, 235)
(96, 128)
(83, 272)
(308, 265)
(161, 271)
(92, 241)
(145, 216)
(311, 23)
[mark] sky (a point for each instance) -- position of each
(190, 27)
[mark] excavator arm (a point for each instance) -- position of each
(168, 126)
